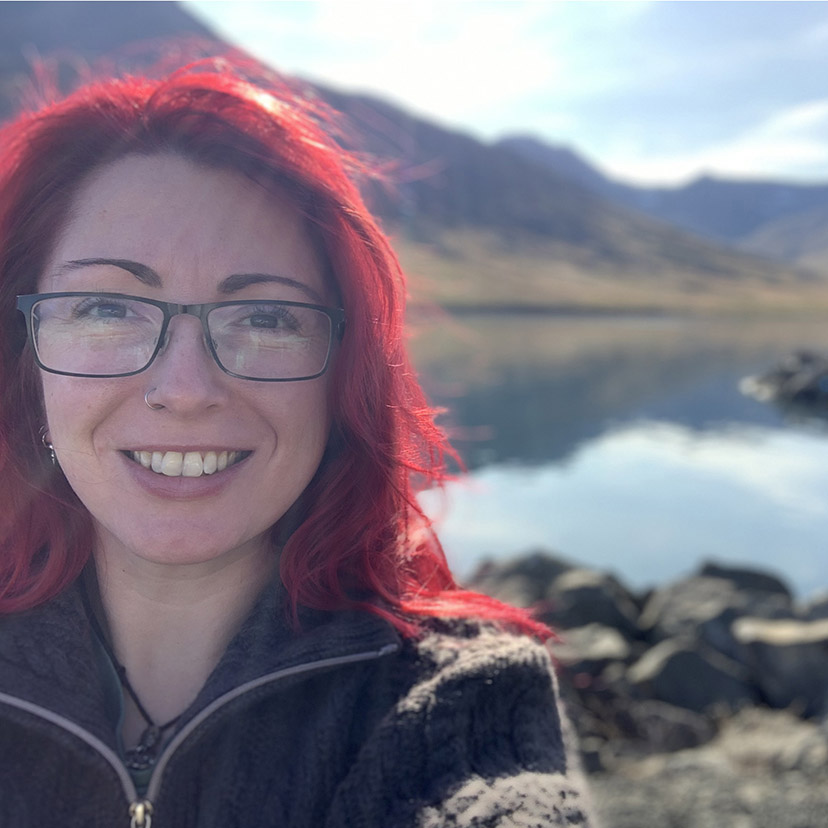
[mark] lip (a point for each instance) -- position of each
(182, 448)
(183, 488)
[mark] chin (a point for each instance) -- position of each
(182, 548)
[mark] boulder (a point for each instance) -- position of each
(802, 378)
(704, 607)
(695, 678)
(582, 596)
(659, 727)
(746, 579)
(590, 649)
(789, 661)
(774, 739)
(816, 607)
(521, 582)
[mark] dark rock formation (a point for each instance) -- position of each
(789, 661)
(702, 704)
(799, 385)
(711, 643)
(695, 678)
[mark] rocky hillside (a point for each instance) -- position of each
(452, 187)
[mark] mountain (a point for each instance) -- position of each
(773, 219)
(800, 237)
(487, 209)
(78, 33)
(475, 223)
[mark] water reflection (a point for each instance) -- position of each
(626, 444)
(650, 502)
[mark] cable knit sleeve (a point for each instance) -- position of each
(476, 740)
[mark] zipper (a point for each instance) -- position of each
(140, 810)
(140, 814)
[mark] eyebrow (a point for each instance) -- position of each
(238, 281)
(229, 285)
(141, 272)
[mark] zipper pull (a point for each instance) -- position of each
(140, 814)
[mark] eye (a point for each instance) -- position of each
(264, 320)
(104, 307)
(267, 317)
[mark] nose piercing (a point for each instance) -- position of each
(153, 406)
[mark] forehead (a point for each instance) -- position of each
(193, 225)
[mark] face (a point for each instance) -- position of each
(183, 230)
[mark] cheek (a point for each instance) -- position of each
(305, 423)
(74, 409)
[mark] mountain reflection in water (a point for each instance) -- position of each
(624, 443)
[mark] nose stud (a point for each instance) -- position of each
(153, 406)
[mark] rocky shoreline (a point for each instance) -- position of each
(701, 703)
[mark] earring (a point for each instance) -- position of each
(47, 444)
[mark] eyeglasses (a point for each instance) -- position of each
(113, 335)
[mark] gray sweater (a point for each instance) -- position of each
(342, 725)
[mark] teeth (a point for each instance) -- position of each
(210, 462)
(189, 464)
(192, 465)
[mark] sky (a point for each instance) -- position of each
(650, 92)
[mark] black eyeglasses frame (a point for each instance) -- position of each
(26, 303)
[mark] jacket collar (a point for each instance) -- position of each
(48, 654)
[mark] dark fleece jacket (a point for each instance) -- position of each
(342, 725)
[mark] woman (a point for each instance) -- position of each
(222, 605)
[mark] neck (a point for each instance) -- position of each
(170, 625)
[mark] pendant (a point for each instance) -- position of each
(144, 754)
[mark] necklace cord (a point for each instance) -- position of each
(119, 668)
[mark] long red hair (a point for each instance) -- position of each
(360, 537)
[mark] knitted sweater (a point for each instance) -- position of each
(342, 725)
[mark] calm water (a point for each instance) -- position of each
(625, 444)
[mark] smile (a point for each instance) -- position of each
(187, 463)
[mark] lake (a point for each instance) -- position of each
(624, 443)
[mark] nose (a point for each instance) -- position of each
(185, 375)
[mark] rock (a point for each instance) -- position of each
(789, 661)
(685, 676)
(801, 379)
(816, 607)
(704, 607)
(522, 582)
(589, 649)
(747, 579)
(763, 770)
(665, 728)
(774, 739)
(581, 596)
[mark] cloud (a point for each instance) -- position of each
(475, 65)
(437, 58)
(794, 139)
(657, 92)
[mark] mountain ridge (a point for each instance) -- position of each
(474, 222)
(743, 214)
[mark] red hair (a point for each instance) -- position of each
(360, 538)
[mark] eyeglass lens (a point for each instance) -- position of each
(103, 335)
